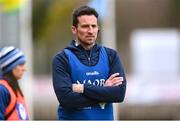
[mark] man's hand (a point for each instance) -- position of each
(114, 80)
(79, 88)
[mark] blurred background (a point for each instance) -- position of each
(146, 33)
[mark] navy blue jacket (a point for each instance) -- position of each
(92, 94)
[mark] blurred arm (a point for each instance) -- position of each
(4, 101)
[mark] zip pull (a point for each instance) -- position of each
(89, 59)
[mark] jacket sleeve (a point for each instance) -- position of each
(113, 93)
(63, 85)
(4, 101)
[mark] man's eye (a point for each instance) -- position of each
(85, 26)
(94, 26)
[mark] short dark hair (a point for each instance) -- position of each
(83, 10)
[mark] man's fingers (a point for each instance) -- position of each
(120, 79)
(117, 84)
(114, 80)
(117, 81)
(113, 75)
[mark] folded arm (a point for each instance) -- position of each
(63, 86)
(112, 91)
(114, 88)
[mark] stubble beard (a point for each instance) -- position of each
(88, 44)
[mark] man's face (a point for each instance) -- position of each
(86, 30)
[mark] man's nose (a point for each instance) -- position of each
(90, 29)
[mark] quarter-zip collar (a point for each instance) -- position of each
(89, 57)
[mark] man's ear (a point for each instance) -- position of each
(98, 29)
(74, 29)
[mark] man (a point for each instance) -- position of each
(87, 77)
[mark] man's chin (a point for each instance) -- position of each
(90, 41)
